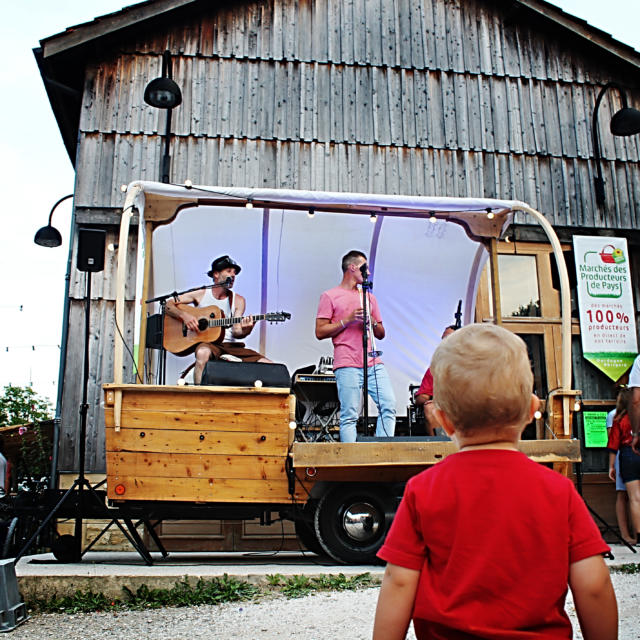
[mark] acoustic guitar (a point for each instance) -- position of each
(211, 324)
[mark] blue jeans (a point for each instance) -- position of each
(350, 380)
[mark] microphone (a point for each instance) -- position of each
(366, 283)
(225, 285)
(458, 315)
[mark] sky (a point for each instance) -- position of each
(35, 172)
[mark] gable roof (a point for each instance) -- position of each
(61, 57)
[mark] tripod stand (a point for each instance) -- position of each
(91, 244)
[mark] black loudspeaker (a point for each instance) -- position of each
(154, 331)
(91, 249)
(245, 374)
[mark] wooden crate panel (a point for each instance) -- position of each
(183, 465)
(197, 442)
(216, 421)
(400, 473)
(198, 489)
(198, 401)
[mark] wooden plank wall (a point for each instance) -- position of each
(412, 96)
(415, 97)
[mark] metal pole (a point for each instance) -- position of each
(84, 407)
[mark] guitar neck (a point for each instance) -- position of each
(229, 322)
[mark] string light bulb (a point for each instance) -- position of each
(311, 212)
(123, 188)
(373, 217)
(577, 406)
(188, 184)
(490, 214)
(538, 414)
(249, 204)
(432, 218)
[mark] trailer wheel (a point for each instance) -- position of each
(64, 549)
(305, 528)
(351, 522)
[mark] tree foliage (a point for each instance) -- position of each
(22, 405)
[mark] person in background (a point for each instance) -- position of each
(424, 394)
(634, 405)
(485, 542)
(620, 438)
(622, 500)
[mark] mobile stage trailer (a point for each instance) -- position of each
(176, 451)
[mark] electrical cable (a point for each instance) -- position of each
(126, 346)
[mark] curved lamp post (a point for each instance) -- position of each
(164, 93)
(49, 236)
(625, 122)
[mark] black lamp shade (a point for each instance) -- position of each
(625, 122)
(163, 93)
(48, 237)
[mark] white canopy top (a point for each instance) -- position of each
(422, 266)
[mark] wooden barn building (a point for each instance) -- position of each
(479, 98)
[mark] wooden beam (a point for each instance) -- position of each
(495, 282)
(365, 454)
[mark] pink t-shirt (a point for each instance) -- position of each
(335, 305)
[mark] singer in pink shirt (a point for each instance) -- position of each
(340, 317)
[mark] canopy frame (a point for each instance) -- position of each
(484, 220)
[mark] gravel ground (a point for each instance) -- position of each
(323, 616)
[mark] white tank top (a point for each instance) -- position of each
(225, 305)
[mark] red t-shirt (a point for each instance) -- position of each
(493, 535)
(335, 305)
(426, 386)
(620, 433)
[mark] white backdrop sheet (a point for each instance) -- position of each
(420, 271)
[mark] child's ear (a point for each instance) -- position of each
(443, 419)
(534, 406)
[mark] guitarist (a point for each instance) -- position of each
(223, 272)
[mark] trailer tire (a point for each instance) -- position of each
(351, 522)
(64, 549)
(305, 529)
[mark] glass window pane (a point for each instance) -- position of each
(519, 286)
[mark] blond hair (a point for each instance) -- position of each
(482, 378)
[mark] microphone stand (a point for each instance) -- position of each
(366, 286)
(162, 299)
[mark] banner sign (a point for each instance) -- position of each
(605, 298)
(595, 428)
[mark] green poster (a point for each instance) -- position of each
(595, 428)
(614, 365)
